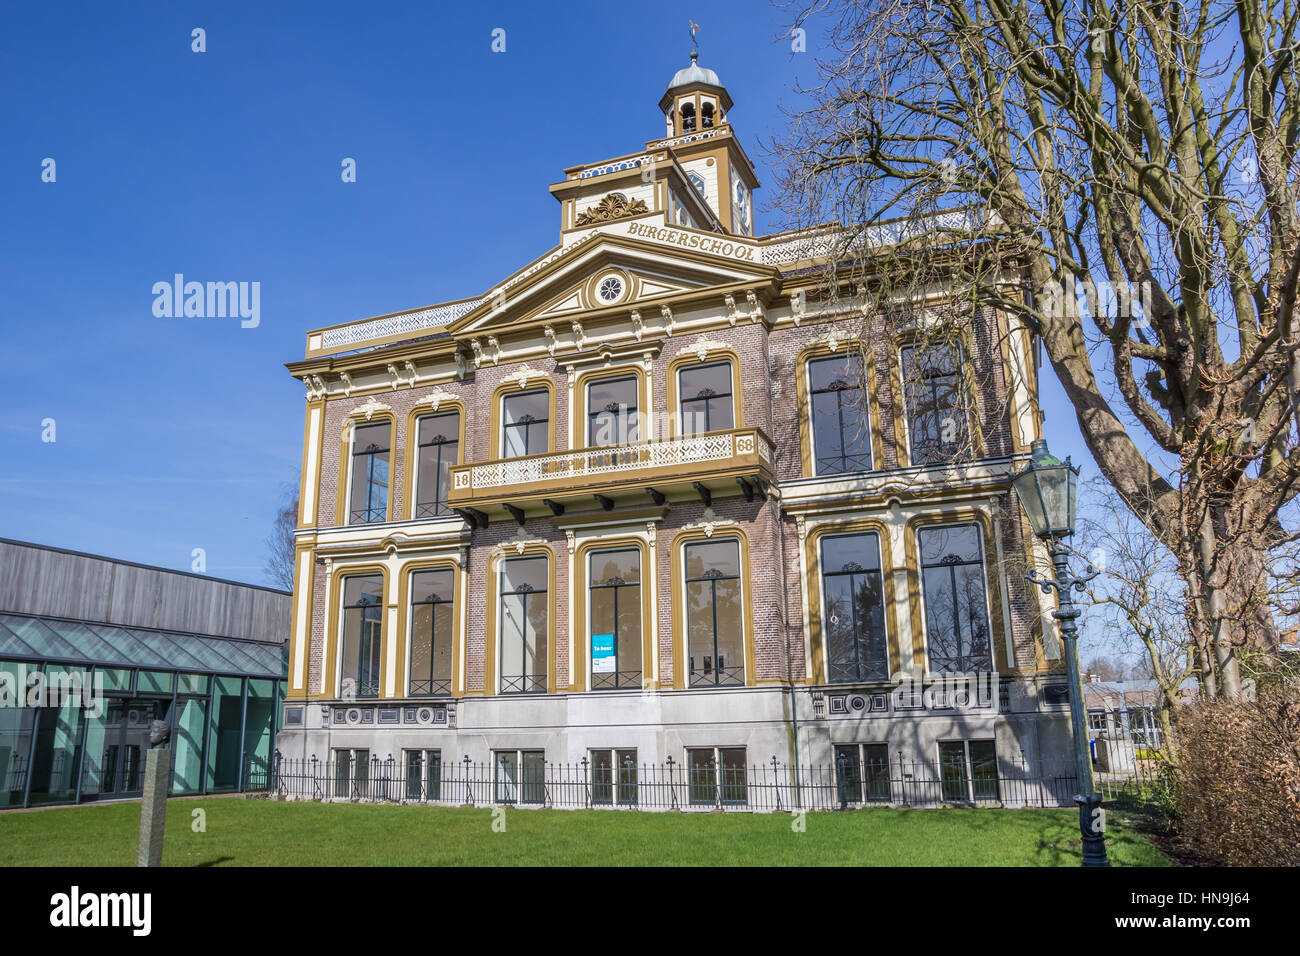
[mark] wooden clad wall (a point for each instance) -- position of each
(46, 581)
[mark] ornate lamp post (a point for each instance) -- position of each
(1047, 489)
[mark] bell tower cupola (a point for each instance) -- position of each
(695, 100)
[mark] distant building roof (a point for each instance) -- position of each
(1131, 693)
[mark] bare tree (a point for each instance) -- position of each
(1128, 172)
(1139, 598)
(1105, 668)
(279, 543)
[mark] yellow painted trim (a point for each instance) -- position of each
(309, 484)
(582, 600)
(812, 561)
(301, 554)
(678, 597)
(490, 641)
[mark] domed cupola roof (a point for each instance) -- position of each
(694, 74)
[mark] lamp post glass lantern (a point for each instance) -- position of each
(1047, 490)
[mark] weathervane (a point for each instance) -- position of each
(695, 28)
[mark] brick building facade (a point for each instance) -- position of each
(654, 494)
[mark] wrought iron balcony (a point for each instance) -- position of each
(730, 462)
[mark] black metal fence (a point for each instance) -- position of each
(423, 777)
(1127, 769)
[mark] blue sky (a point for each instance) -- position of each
(174, 434)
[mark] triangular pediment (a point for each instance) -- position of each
(608, 272)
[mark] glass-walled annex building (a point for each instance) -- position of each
(83, 674)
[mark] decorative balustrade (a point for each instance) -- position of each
(686, 138)
(685, 457)
(617, 165)
(821, 243)
(343, 337)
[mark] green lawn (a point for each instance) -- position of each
(244, 832)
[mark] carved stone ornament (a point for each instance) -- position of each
(523, 374)
(709, 522)
(369, 407)
(704, 346)
(316, 387)
(866, 301)
(437, 397)
(518, 543)
(612, 207)
(798, 305)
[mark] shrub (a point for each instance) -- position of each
(1237, 780)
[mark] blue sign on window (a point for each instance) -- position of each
(602, 654)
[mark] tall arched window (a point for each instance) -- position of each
(525, 423)
(615, 596)
(957, 631)
(715, 614)
(439, 449)
(363, 607)
(706, 399)
(432, 631)
(612, 411)
(369, 482)
(688, 117)
(841, 429)
(938, 426)
(853, 621)
(524, 624)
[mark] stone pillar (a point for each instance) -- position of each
(153, 805)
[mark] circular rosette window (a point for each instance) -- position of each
(611, 288)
